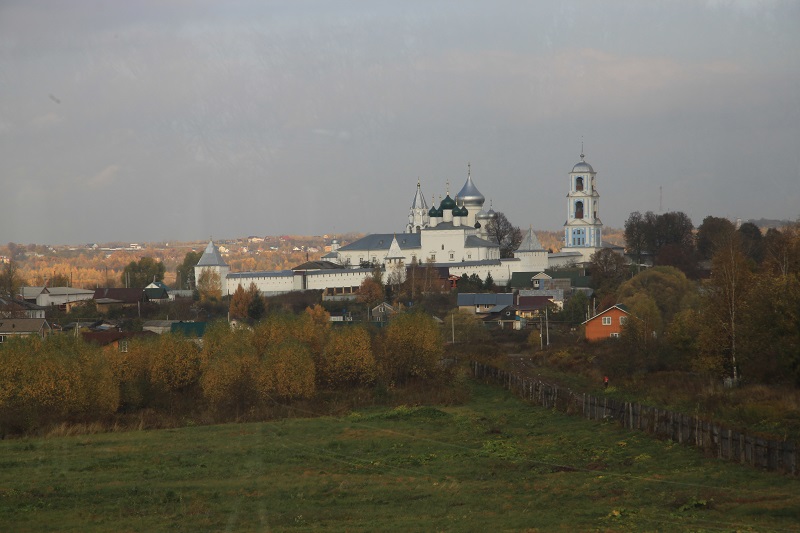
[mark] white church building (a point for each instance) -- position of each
(452, 235)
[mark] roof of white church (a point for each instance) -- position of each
(211, 257)
(473, 241)
(582, 166)
(419, 200)
(469, 193)
(382, 241)
(394, 250)
(530, 243)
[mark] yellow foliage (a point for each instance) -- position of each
(287, 372)
(54, 380)
(412, 348)
(174, 362)
(347, 358)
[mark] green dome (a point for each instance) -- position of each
(447, 203)
(433, 212)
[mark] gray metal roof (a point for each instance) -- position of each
(488, 298)
(261, 274)
(419, 200)
(211, 256)
(530, 243)
(473, 241)
(582, 166)
(482, 262)
(23, 325)
(338, 271)
(382, 241)
(469, 193)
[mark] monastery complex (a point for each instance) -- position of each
(453, 235)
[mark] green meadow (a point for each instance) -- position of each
(493, 464)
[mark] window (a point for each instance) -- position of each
(2, 339)
(579, 183)
(606, 320)
(615, 335)
(578, 209)
(623, 320)
(123, 346)
(452, 255)
(443, 247)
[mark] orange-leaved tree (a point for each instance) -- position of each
(240, 301)
(412, 348)
(347, 359)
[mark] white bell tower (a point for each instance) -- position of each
(583, 230)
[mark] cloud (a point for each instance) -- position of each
(102, 179)
(47, 120)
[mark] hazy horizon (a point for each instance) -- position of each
(157, 121)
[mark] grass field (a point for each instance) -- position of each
(495, 464)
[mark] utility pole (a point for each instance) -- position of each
(547, 325)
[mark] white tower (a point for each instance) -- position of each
(212, 260)
(583, 228)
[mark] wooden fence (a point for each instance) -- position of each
(714, 439)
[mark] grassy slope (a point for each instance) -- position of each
(494, 464)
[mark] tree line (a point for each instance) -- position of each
(723, 299)
(240, 371)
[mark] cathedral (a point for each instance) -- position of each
(453, 234)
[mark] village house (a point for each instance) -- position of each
(607, 324)
(23, 327)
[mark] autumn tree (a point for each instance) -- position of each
(752, 242)
(142, 273)
(58, 280)
(712, 231)
(256, 308)
(725, 302)
(769, 345)
(185, 272)
(650, 233)
(174, 363)
(412, 348)
(58, 379)
(575, 309)
(10, 279)
(230, 369)
(636, 236)
(608, 271)
(667, 286)
(505, 234)
(209, 285)
(464, 328)
(315, 324)
(371, 292)
(347, 360)
(287, 372)
(240, 300)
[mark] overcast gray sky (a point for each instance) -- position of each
(177, 120)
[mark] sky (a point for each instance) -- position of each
(160, 120)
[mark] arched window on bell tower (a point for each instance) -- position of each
(579, 183)
(578, 209)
